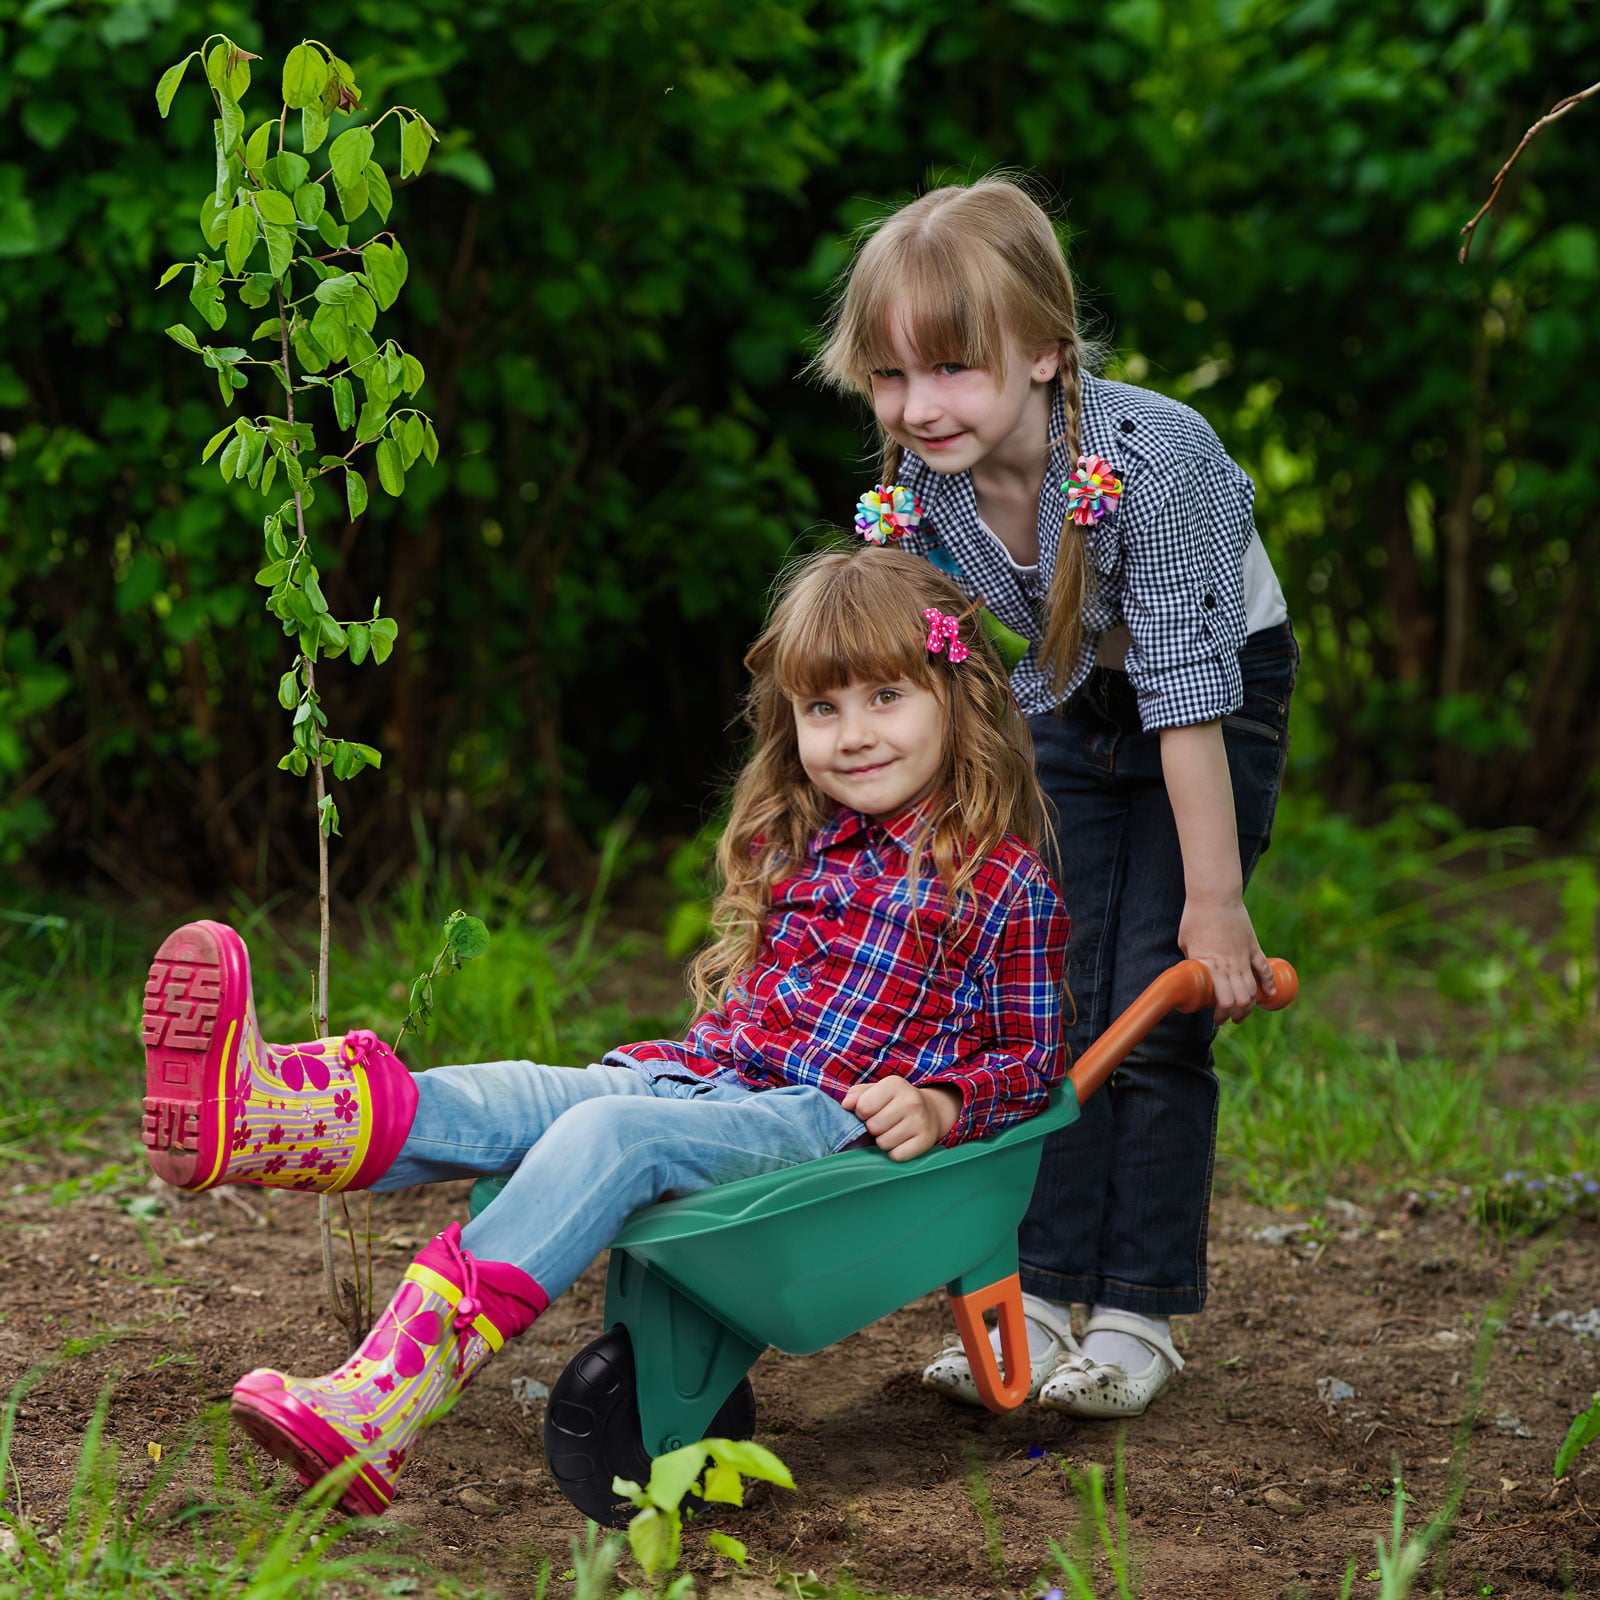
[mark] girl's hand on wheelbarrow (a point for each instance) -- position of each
(1220, 935)
(903, 1119)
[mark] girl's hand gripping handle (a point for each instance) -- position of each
(1185, 987)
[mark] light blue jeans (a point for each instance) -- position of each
(588, 1146)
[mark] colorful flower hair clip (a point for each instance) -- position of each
(887, 511)
(1092, 490)
(944, 633)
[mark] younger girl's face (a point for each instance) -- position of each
(953, 416)
(876, 747)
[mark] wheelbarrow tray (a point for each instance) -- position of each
(800, 1258)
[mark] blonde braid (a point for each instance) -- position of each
(1063, 636)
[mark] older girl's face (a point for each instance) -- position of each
(954, 417)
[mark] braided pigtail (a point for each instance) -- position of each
(1063, 637)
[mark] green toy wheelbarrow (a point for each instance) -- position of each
(700, 1287)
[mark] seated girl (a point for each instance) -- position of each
(887, 967)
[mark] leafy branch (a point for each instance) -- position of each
(283, 246)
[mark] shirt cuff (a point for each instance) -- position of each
(1198, 691)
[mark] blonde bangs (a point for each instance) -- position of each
(850, 626)
(924, 284)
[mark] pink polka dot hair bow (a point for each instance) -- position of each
(944, 633)
(887, 511)
(1092, 490)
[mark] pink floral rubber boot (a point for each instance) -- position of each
(223, 1106)
(452, 1312)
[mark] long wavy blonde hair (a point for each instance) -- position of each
(973, 273)
(841, 617)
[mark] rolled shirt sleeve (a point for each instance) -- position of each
(1183, 592)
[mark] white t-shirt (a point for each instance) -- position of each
(1264, 605)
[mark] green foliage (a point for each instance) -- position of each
(323, 318)
(465, 939)
(712, 1470)
(1584, 1431)
(639, 209)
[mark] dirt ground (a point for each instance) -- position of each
(1256, 1476)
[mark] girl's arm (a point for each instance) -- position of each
(1216, 927)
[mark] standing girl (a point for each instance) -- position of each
(887, 967)
(1106, 528)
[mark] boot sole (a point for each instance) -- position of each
(190, 1080)
(290, 1430)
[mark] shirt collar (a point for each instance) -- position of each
(900, 828)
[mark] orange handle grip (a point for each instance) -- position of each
(1005, 1299)
(1185, 987)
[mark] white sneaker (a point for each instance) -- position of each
(1084, 1387)
(1050, 1341)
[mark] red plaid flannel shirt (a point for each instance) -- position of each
(842, 992)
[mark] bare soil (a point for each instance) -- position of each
(1242, 1481)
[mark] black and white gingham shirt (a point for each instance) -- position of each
(1167, 562)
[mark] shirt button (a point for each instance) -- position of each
(832, 913)
(802, 976)
(1211, 602)
(1127, 424)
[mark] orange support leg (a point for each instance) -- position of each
(1005, 1299)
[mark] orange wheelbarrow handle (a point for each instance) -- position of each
(1185, 987)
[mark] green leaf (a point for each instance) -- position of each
(374, 759)
(410, 440)
(341, 758)
(385, 272)
(344, 401)
(217, 67)
(674, 1474)
(268, 473)
(214, 214)
(229, 463)
(362, 310)
(182, 335)
(726, 1545)
(358, 634)
(168, 85)
(313, 592)
(349, 154)
(331, 331)
(213, 444)
(374, 419)
(256, 290)
(1584, 1431)
(753, 1460)
(391, 474)
(242, 232)
(415, 141)
(723, 1485)
(336, 291)
(313, 127)
(352, 197)
(355, 493)
(430, 443)
(655, 1535)
(272, 329)
(255, 151)
(310, 202)
(289, 689)
(385, 630)
(334, 233)
(332, 633)
(413, 377)
(232, 122)
(305, 74)
(467, 937)
(173, 271)
(378, 190)
(289, 170)
(294, 762)
(327, 816)
(280, 247)
(276, 206)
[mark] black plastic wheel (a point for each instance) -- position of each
(591, 1427)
